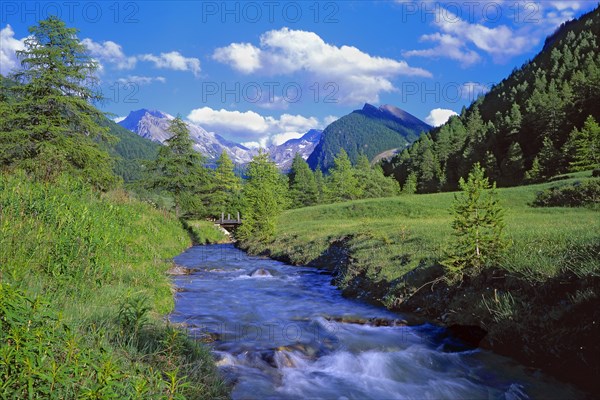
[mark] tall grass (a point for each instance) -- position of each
(82, 291)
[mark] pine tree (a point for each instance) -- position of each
(180, 170)
(320, 184)
(549, 159)
(52, 126)
(264, 197)
(227, 187)
(478, 225)
(513, 164)
(534, 174)
(490, 165)
(410, 186)
(342, 184)
(586, 145)
(303, 187)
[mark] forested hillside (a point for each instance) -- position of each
(523, 130)
(369, 131)
(130, 151)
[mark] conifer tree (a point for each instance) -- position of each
(478, 225)
(51, 126)
(180, 170)
(586, 145)
(513, 164)
(410, 186)
(534, 174)
(342, 184)
(303, 186)
(264, 197)
(227, 187)
(320, 184)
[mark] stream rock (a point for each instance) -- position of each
(260, 272)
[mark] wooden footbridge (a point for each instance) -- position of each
(229, 223)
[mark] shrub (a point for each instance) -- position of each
(574, 195)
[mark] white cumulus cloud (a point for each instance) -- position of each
(357, 76)
(439, 116)
(241, 56)
(141, 80)
(8, 48)
(173, 60)
(252, 128)
(110, 52)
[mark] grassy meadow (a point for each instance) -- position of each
(83, 294)
(391, 236)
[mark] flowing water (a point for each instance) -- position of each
(283, 332)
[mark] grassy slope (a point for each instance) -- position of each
(418, 227)
(88, 273)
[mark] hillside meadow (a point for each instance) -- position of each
(388, 237)
(83, 294)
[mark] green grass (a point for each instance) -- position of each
(83, 291)
(205, 232)
(391, 236)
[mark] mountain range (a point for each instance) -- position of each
(371, 130)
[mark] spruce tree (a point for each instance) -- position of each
(303, 187)
(225, 197)
(586, 145)
(180, 170)
(342, 184)
(513, 164)
(264, 197)
(534, 174)
(410, 186)
(478, 225)
(320, 184)
(51, 126)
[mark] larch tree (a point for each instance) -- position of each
(342, 184)
(585, 145)
(478, 226)
(52, 126)
(264, 197)
(303, 186)
(180, 170)
(227, 187)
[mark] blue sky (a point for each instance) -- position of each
(266, 71)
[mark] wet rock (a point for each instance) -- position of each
(260, 272)
(177, 270)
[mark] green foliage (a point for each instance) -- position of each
(264, 197)
(373, 183)
(320, 184)
(586, 145)
(227, 188)
(303, 185)
(82, 282)
(342, 184)
(180, 170)
(410, 186)
(478, 224)
(573, 195)
(536, 108)
(49, 125)
(392, 236)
